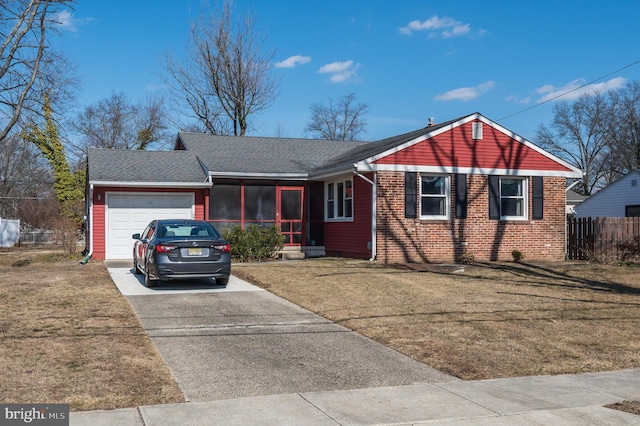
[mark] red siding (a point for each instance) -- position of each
(351, 239)
(456, 147)
(99, 220)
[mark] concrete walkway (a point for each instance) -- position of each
(539, 400)
(408, 396)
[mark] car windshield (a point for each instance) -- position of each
(186, 230)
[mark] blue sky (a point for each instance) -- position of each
(408, 60)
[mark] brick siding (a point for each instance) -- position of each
(414, 240)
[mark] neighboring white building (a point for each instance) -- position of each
(619, 199)
(9, 232)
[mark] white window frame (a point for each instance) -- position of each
(333, 204)
(446, 196)
(524, 197)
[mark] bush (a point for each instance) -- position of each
(629, 249)
(467, 259)
(517, 255)
(254, 243)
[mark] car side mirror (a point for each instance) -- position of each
(136, 236)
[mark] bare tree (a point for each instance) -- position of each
(340, 120)
(623, 125)
(226, 78)
(578, 134)
(23, 175)
(115, 123)
(24, 25)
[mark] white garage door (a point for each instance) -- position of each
(130, 213)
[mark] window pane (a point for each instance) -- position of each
(340, 197)
(512, 207)
(259, 203)
(225, 202)
(633, 211)
(291, 207)
(330, 202)
(330, 193)
(432, 206)
(348, 208)
(434, 185)
(511, 187)
(348, 193)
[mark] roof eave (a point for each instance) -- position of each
(130, 184)
(271, 176)
(364, 166)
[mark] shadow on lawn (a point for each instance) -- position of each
(541, 275)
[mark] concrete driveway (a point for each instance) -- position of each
(242, 341)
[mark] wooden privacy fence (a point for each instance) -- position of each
(603, 238)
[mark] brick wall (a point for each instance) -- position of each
(415, 240)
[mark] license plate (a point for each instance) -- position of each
(194, 251)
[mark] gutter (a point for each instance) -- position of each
(90, 219)
(374, 196)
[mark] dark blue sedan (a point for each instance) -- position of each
(176, 249)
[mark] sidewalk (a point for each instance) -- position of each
(537, 400)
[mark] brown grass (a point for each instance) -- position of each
(475, 322)
(68, 336)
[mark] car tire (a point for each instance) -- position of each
(148, 282)
(222, 281)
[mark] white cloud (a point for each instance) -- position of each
(293, 61)
(465, 93)
(340, 71)
(576, 88)
(518, 100)
(458, 30)
(66, 21)
(448, 27)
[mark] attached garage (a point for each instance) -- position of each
(127, 189)
(129, 213)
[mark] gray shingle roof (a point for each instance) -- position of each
(255, 155)
(118, 165)
(258, 155)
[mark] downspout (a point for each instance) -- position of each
(90, 219)
(373, 210)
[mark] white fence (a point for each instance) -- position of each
(9, 232)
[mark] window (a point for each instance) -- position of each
(632, 211)
(477, 130)
(434, 197)
(513, 198)
(340, 200)
(331, 204)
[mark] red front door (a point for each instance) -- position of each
(290, 202)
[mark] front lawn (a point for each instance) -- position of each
(487, 320)
(68, 336)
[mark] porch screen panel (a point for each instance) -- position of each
(315, 214)
(260, 203)
(291, 207)
(225, 203)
